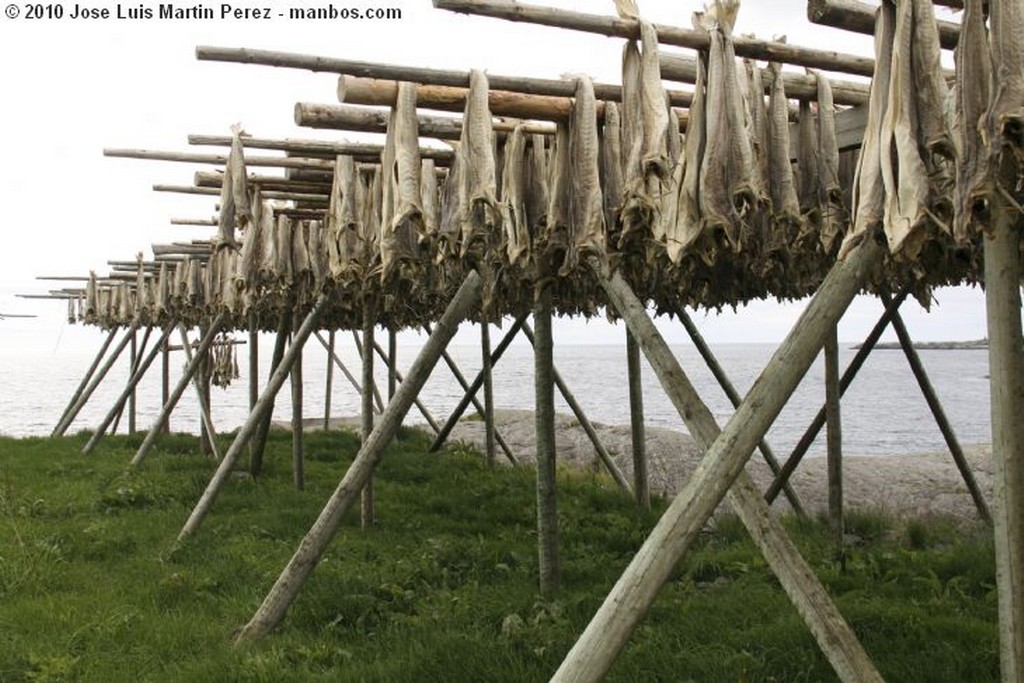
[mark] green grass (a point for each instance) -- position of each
(443, 588)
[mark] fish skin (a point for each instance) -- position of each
(833, 216)
(1005, 115)
(536, 169)
(611, 166)
(586, 204)
(479, 214)
(973, 74)
(429, 199)
(716, 204)
(513, 199)
(687, 226)
(930, 82)
(784, 200)
(401, 225)
(654, 106)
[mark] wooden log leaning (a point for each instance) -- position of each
(87, 377)
(727, 453)
(179, 388)
(398, 379)
(274, 607)
(203, 396)
(86, 394)
(1006, 369)
(264, 405)
(667, 35)
(129, 389)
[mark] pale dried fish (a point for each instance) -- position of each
(586, 206)
(973, 73)
(513, 199)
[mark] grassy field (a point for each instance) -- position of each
(443, 588)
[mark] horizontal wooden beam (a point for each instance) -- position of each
(219, 159)
(321, 148)
(413, 74)
(193, 221)
(214, 179)
(859, 17)
(667, 35)
(268, 194)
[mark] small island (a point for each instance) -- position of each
(971, 345)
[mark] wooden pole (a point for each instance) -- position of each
(263, 406)
(667, 35)
(298, 465)
(641, 489)
(485, 353)
(330, 379)
(341, 366)
(859, 17)
(1006, 370)
(782, 478)
(136, 352)
(133, 381)
(86, 394)
(834, 440)
(544, 414)
(368, 151)
(203, 396)
(254, 360)
(932, 399)
(398, 379)
(179, 389)
(165, 381)
(734, 398)
(480, 408)
(478, 382)
(376, 392)
(595, 651)
(86, 377)
(134, 355)
(202, 383)
(369, 320)
(220, 159)
(392, 363)
(581, 417)
(259, 440)
(312, 547)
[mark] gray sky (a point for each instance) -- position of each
(75, 87)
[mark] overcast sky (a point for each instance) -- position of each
(75, 87)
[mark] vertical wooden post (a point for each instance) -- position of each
(376, 392)
(392, 362)
(734, 398)
(1006, 373)
(179, 389)
(782, 477)
(478, 382)
(259, 440)
(83, 397)
(547, 496)
(204, 408)
(834, 439)
(131, 397)
(254, 360)
(206, 445)
(264, 406)
(369, 319)
(87, 377)
(165, 380)
(332, 355)
(636, 421)
(298, 469)
(133, 367)
(629, 600)
(330, 380)
(932, 399)
(398, 380)
(485, 352)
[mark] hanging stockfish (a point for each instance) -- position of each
(478, 211)
(513, 200)
(317, 252)
(344, 223)
(401, 226)
(228, 295)
(124, 303)
(92, 307)
(537, 194)
(681, 214)
(1005, 113)
(193, 284)
(224, 365)
(247, 267)
(430, 200)
(162, 299)
(234, 196)
(210, 288)
(973, 73)
(645, 129)
(553, 240)
(586, 206)
(282, 273)
(674, 141)
(785, 203)
(179, 284)
(833, 217)
(611, 170)
(808, 167)
(142, 301)
(268, 254)
(869, 189)
(302, 271)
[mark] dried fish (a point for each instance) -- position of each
(1005, 114)
(832, 215)
(973, 73)
(401, 225)
(686, 225)
(513, 199)
(479, 214)
(586, 205)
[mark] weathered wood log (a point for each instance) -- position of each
(1006, 370)
(478, 382)
(259, 440)
(727, 452)
(298, 457)
(392, 363)
(165, 381)
(330, 378)
(667, 35)
(782, 478)
(135, 353)
(932, 399)
(313, 545)
(485, 358)
(83, 397)
(459, 79)
(86, 377)
(316, 199)
(247, 430)
(216, 179)
(834, 440)
(193, 221)
(179, 389)
(378, 92)
(371, 120)
(675, 67)
(363, 151)
(641, 489)
(219, 159)
(202, 388)
(376, 392)
(853, 15)
(254, 359)
(369, 321)
(544, 418)
(129, 389)
(718, 372)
